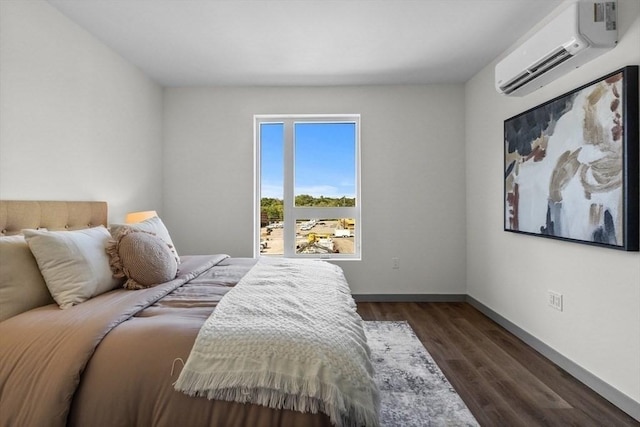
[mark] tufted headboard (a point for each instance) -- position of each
(16, 215)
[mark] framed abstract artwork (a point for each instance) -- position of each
(571, 165)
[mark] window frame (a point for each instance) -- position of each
(291, 212)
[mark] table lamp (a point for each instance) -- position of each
(133, 217)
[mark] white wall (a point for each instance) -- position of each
(599, 328)
(77, 122)
(413, 181)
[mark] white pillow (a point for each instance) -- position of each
(152, 225)
(21, 284)
(74, 264)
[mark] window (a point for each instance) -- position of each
(308, 186)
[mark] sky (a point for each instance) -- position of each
(324, 159)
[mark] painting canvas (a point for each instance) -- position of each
(571, 165)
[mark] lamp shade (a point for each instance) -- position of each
(133, 217)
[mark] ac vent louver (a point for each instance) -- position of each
(536, 70)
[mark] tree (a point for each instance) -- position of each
(274, 208)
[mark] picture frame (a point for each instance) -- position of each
(571, 165)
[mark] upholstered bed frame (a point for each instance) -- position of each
(16, 215)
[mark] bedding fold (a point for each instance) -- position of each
(40, 370)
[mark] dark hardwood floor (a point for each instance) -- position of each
(503, 381)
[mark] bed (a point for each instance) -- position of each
(122, 357)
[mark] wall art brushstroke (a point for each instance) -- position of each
(571, 165)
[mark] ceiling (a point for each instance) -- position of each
(307, 42)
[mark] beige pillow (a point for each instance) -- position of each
(74, 264)
(152, 225)
(143, 258)
(22, 286)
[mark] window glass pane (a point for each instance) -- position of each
(324, 164)
(318, 236)
(271, 188)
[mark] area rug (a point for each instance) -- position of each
(413, 390)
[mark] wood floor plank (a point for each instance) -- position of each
(503, 381)
(501, 367)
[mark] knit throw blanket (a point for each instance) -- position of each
(287, 336)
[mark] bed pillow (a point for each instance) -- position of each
(74, 264)
(143, 258)
(152, 225)
(22, 287)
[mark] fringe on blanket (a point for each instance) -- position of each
(280, 391)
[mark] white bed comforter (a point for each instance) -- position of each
(287, 336)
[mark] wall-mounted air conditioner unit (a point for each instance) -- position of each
(583, 31)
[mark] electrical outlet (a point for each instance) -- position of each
(395, 263)
(555, 300)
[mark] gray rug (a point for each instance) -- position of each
(414, 391)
